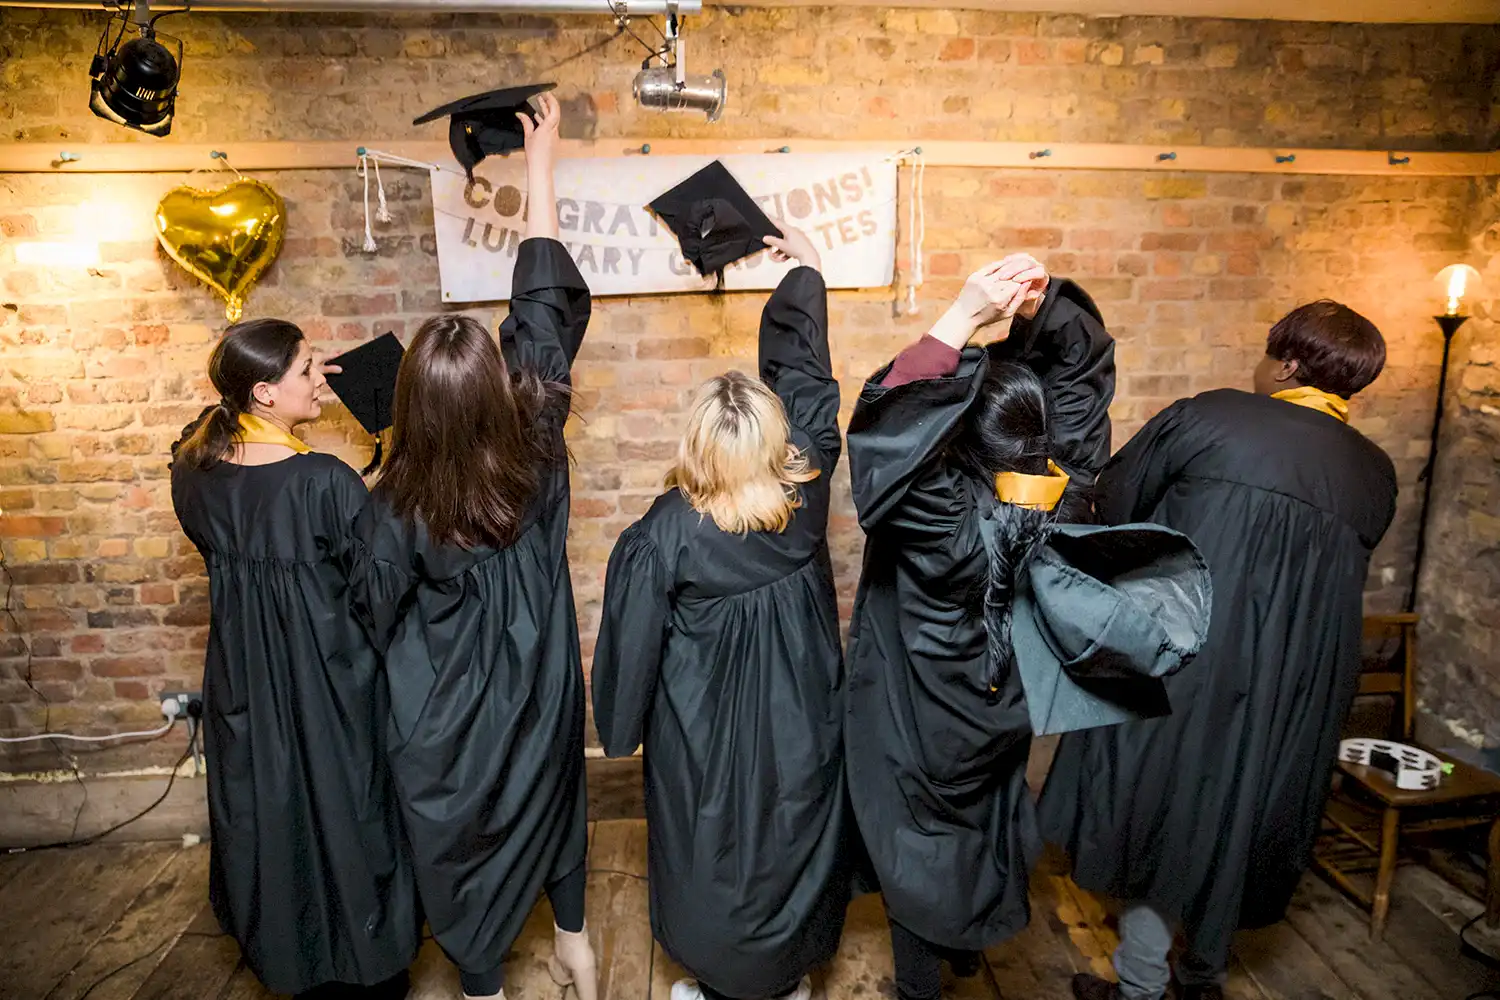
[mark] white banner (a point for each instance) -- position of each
(845, 204)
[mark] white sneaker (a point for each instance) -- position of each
(802, 992)
(688, 989)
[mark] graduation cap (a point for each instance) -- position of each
(715, 220)
(1101, 615)
(485, 124)
(367, 386)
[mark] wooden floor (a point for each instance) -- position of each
(130, 922)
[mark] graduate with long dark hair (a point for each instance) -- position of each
(719, 648)
(937, 734)
(969, 465)
(466, 590)
(308, 871)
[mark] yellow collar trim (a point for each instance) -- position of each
(256, 430)
(1316, 399)
(1032, 492)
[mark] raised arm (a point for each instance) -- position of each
(910, 411)
(550, 303)
(1061, 337)
(627, 657)
(794, 359)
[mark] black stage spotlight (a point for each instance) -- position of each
(135, 83)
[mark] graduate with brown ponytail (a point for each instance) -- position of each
(308, 871)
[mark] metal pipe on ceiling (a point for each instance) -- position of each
(641, 8)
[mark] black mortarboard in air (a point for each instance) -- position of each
(716, 222)
(485, 124)
(368, 386)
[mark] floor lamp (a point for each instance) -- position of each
(1458, 279)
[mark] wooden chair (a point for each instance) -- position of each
(1467, 797)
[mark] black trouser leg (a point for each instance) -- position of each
(566, 896)
(482, 984)
(919, 973)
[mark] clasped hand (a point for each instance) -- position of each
(1013, 286)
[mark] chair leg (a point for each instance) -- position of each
(1390, 825)
(1492, 902)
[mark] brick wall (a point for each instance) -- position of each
(99, 370)
(1460, 656)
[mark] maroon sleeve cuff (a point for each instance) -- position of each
(927, 358)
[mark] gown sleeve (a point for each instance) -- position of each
(897, 440)
(1068, 347)
(627, 657)
(549, 311)
(1135, 480)
(382, 584)
(795, 363)
(343, 500)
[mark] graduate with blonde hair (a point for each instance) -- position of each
(719, 649)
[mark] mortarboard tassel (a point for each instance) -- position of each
(375, 458)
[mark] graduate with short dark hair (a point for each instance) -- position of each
(1205, 819)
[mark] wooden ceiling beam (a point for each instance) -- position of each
(1358, 11)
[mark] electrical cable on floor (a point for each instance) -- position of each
(82, 841)
(112, 973)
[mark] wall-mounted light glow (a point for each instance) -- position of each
(75, 253)
(1458, 281)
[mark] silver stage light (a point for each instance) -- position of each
(659, 89)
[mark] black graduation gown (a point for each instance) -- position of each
(308, 870)
(722, 652)
(937, 764)
(481, 648)
(1209, 814)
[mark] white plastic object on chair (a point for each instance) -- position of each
(1416, 770)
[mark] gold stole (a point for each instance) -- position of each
(1316, 399)
(1032, 492)
(255, 430)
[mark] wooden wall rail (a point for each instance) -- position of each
(152, 157)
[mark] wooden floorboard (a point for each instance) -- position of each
(74, 918)
(1430, 947)
(618, 910)
(1031, 965)
(152, 922)
(1340, 934)
(1286, 967)
(198, 966)
(63, 923)
(12, 865)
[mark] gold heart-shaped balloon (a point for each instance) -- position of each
(225, 238)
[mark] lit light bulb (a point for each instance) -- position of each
(1457, 280)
